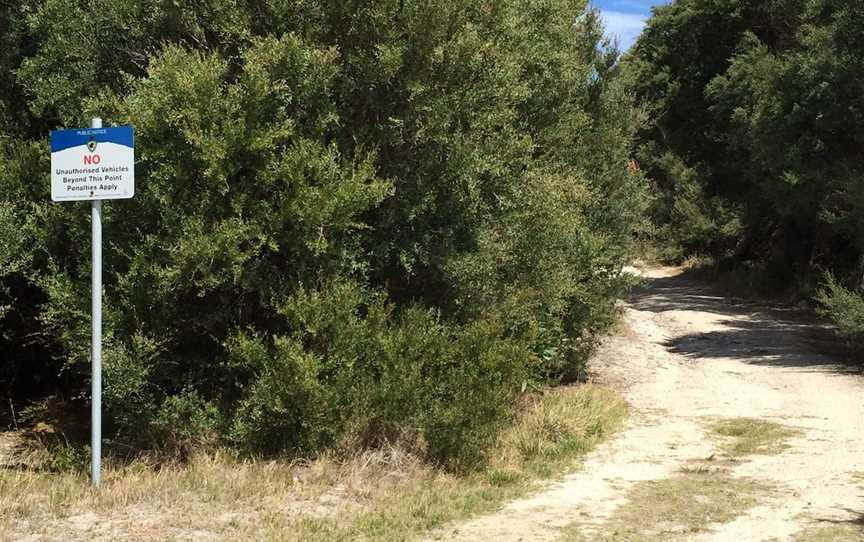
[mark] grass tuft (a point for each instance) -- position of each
(557, 428)
(750, 436)
(831, 533)
(675, 508)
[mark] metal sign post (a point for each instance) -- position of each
(93, 165)
(96, 338)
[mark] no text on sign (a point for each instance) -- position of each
(93, 164)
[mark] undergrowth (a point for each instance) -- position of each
(383, 494)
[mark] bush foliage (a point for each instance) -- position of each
(354, 221)
(844, 306)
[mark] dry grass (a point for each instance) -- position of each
(377, 495)
(749, 436)
(703, 494)
(676, 508)
(213, 492)
(851, 531)
(831, 533)
(696, 262)
(557, 428)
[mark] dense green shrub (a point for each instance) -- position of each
(342, 379)
(353, 221)
(13, 256)
(844, 307)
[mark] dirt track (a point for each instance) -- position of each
(685, 356)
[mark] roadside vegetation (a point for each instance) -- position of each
(384, 494)
(356, 224)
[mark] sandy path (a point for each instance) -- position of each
(684, 355)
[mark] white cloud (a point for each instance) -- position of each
(626, 26)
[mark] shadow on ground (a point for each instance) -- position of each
(756, 333)
(856, 522)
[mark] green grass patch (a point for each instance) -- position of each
(751, 436)
(831, 533)
(675, 508)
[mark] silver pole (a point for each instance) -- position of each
(96, 341)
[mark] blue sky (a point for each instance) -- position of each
(625, 18)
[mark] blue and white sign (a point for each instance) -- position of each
(93, 164)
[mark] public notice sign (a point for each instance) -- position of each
(93, 164)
